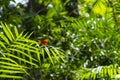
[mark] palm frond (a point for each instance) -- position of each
(20, 54)
(101, 72)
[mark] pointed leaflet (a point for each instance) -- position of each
(6, 31)
(16, 31)
(10, 71)
(48, 53)
(22, 53)
(56, 57)
(10, 76)
(2, 44)
(10, 32)
(21, 59)
(4, 38)
(10, 62)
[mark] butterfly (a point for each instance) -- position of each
(43, 42)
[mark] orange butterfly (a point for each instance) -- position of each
(43, 42)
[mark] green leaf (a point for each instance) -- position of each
(10, 71)
(11, 67)
(10, 32)
(21, 59)
(7, 32)
(23, 53)
(99, 7)
(59, 53)
(2, 45)
(3, 37)
(16, 31)
(48, 53)
(54, 55)
(28, 36)
(10, 76)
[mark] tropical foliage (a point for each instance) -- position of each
(83, 40)
(19, 54)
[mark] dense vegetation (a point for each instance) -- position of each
(59, 40)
